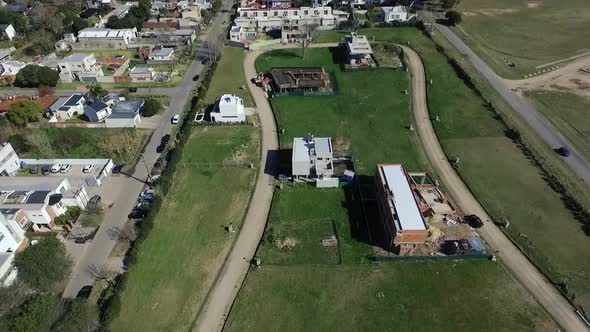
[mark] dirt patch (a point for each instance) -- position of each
(287, 243)
(341, 144)
(497, 11)
(469, 14)
(533, 5)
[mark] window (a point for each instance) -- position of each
(244, 14)
(305, 12)
(1, 236)
(285, 14)
(275, 14)
(265, 14)
(325, 12)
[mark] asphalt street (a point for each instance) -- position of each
(535, 120)
(99, 249)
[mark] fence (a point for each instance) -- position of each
(449, 258)
(218, 164)
(334, 91)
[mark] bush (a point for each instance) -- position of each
(70, 216)
(453, 17)
(23, 112)
(33, 76)
(43, 265)
(151, 107)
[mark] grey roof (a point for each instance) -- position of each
(38, 197)
(141, 70)
(58, 103)
(4, 54)
(76, 57)
(128, 106)
(184, 32)
(323, 145)
(110, 97)
(30, 183)
(163, 52)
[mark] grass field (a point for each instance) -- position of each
(569, 113)
(229, 77)
(178, 261)
(119, 144)
(335, 288)
(504, 31)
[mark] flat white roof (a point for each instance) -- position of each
(300, 150)
(409, 215)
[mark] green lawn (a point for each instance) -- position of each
(119, 144)
(569, 113)
(528, 33)
(495, 170)
(463, 296)
(178, 261)
(371, 111)
(229, 77)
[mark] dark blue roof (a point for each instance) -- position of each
(73, 100)
(97, 106)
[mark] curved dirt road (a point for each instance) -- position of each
(528, 275)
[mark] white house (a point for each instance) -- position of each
(312, 157)
(142, 74)
(81, 66)
(97, 111)
(103, 38)
(67, 107)
(41, 200)
(8, 272)
(396, 14)
(8, 31)
(241, 34)
(9, 160)
(12, 234)
(163, 54)
(228, 109)
(125, 114)
(360, 53)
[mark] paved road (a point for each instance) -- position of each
(539, 124)
(532, 279)
(68, 92)
(98, 251)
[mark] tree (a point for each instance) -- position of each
(44, 264)
(77, 316)
(22, 112)
(309, 32)
(102, 272)
(77, 24)
(453, 17)
(48, 18)
(40, 42)
(151, 107)
(35, 314)
(19, 22)
(33, 76)
(96, 91)
(448, 4)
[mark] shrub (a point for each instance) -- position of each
(151, 107)
(33, 76)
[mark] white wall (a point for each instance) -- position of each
(9, 161)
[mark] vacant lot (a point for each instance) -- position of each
(528, 33)
(334, 288)
(569, 113)
(229, 77)
(178, 261)
(119, 144)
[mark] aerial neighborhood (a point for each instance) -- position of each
(206, 164)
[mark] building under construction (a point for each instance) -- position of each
(300, 79)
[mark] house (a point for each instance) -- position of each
(396, 14)
(12, 234)
(228, 109)
(97, 111)
(8, 31)
(191, 13)
(111, 99)
(142, 74)
(68, 107)
(312, 157)
(359, 51)
(240, 34)
(9, 161)
(153, 26)
(65, 44)
(401, 217)
(103, 38)
(203, 4)
(41, 200)
(276, 3)
(125, 114)
(8, 71)
(162, 54)
(157, 6)
(120, 11)
(144, 52)
(185, 23)
(79, 66)
(8, 271)
(300, 80)
(188, 35)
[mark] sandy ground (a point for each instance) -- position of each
(568, 78)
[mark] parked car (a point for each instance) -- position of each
(160, 148)
(473, 221)
(146, 198)
(118, 168)
(196, 78)
(147, 192)
(564, 151)
(87, 168)
(133, 90)
(119, 56)
(34, 169)
(84, 292)
(137, 214)
(94, 201)
(165, 139)
(56, 168)
(200, 117)
(175, 119)
(45, 170)
(65, 168)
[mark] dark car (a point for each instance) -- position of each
(117, 169)
(137, 214)
(34, 169)
(160, 148)
(564, 151)
(196, 78)
(133, 90)
(45, 170)
(84, 292)
(165, 139)
(205, 61)
(473, 221)
(94, 201)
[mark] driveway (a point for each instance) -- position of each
(528, 275)
(98, 251)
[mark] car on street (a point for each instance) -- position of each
(196, 77)
(118, 168)
(84, 292)
(133, 90)
(205, 61)
(87, 168)
(564, 151)
(56, 168)
(473, 221)
(34, 169)
(199, 118)
(45, 170)
(175, 119)
(160, 148)
(147, 192)
(165, 139)
(137, 214)
(94, 201)
(65, 168)
(146, 198)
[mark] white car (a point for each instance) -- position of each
(56, 168)
(65, 168)
(175, 119)
(87, 168)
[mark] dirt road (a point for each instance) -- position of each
(528, 275)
